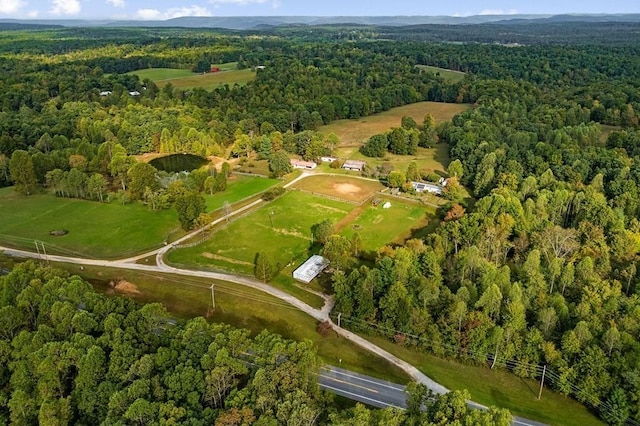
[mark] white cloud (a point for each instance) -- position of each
(174, 12)
(33, 14)
(498, 12)
(116, 3)
(65, 7)
(239, 2)
(10, 6)
(276, 4)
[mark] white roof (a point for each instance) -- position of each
(310, 269)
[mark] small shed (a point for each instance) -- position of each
(215, 69)
(105, 93)
(354, 165)
(386, 205)
(310, 269)
(328, 159)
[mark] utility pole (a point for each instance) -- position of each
(213, 296)
(339, 315)
(544, 370)
(271, 218)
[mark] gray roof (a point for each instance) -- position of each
(310, 269)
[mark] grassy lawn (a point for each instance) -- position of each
(211, 81)
(158, 74)
(447, 74)
(239, 187)
(259, 167)
(606, 131)
(430, 159)
(188, 297)
(357, 132)
(281, 228)
(378, 226)
(496, 387)
(340, 186)
(95, 229)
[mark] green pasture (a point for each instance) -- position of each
(211, 81)
(357, 131)
(378, 226)
(430, 159)
(244, 307)
(447, 74)
(239, 187)
(102, 230)
(159, 74)
(281, 228)
(496, 387)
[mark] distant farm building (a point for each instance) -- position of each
(215, 69)
(299, 164)
(134, 93)
(310, 269)
(427, 187)
(260, 67)
(354, 165)
(105, 93)
(328, 159)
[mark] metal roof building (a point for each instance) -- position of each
(310, 269)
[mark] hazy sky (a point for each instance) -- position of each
(164, 9)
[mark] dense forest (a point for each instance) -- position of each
(538, 270)
(69, 355)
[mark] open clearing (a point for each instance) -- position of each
(239, 187)
(340, 186)
(101, 230)
(447, 74)
(95, 229)
(378, 226)
(357, 132)
(186, 79)
(282, 229)
(159, 74)
(429, 159)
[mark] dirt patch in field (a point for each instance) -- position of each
(125, 287)
(347, 189)
(225, 259)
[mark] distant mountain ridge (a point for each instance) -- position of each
(254, 22)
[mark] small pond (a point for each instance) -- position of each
(178, 163)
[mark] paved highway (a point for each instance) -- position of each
(379, 393)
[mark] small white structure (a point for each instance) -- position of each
(386, 205)
(105, 93)
(310, 269)
(427, 187)
(443, 182)
(328, 159)
(299, 164)
(134, 93)
(260, 67)
(354, 165)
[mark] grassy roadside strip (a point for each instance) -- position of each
(495, 387)
(188, 297)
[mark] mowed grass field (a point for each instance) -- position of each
(235, 246)
(95, 229)
(357, 132)
(239, 187)
(158, 74)
(288, 241)
(447, 74)
(344, 187)
(430, 159)
(378, 226)
(186, 79)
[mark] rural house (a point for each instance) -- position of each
(299, 164)
(354, 165)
